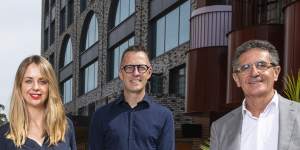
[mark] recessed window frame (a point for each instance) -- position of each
(156, 84)
(83, 5)
(120, 14)
(90, 33)
(162, 31)
(62, 20)
(67, 93)
(176, 77)
(90, 70)
(115, 60)
(52, 32)
(70, 16)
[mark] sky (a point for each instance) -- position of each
(20, 36)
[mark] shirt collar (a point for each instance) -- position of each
(147, 99)
(273, 104)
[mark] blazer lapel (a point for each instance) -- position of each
(286, 121)
(234, 128)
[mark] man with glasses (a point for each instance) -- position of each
(133, 121)
(266, 120)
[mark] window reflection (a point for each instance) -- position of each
(172, 29)
(68, 53)
(67, 91)
(92, 32)
(172, 21)
(90, 77)
(117, 54)
(124, 10)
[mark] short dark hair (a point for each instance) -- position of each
(260, 44)
(135, 48)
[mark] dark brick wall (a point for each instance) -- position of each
(108, 90)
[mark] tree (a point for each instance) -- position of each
(3, 118)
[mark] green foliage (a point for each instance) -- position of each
(292, 87)
(205, 145)
(3, 118)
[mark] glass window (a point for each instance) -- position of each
(52, 32)
(52, 3)
(156, 84)
(82, 5)
(68, 53)
(52, 13)
(117, 54)
(172, 22)
(62, 3)
(92, 32)
(70, 12)
(46, 7)
(172, 29)
(131, 7)
(62, 20)
(90, 77)
(46, 34)
(67, 91)
(51, 60)
(177, 81)
(116, 61)
(184, 26)
(160, 36)
(124, 10)
(117, 19)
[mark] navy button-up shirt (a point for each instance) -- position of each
(117, 126)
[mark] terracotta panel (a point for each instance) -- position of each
(206, 79)
(292, 38)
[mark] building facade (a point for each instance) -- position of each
(190, 43)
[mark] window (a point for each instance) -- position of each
(67, 90)
(90, 77)
(82, 5)
(52, 3)
(62, 3)
(91, 109)
(70, 12)
(156, 84)
(177, 81)
(172, 29)
(46, 34)
(52, 11)
(116, 57)
(52, 32)
(92, 32)
(46, 7)
(124, 10)
(62, 20)
(68, 53)
(51, 60)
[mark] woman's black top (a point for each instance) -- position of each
(68, 144)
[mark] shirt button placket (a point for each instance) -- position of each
(131, 136)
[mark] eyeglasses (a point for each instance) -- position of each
(260, 66)
(130, 68)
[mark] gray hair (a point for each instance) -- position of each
(260, 44)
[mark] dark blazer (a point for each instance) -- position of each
(226, 131)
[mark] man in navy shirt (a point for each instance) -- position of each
(133, 121)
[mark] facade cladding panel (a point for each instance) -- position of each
(106, 88)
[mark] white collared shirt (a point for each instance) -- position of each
(261, 133)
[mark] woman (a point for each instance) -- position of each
(37, 117)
